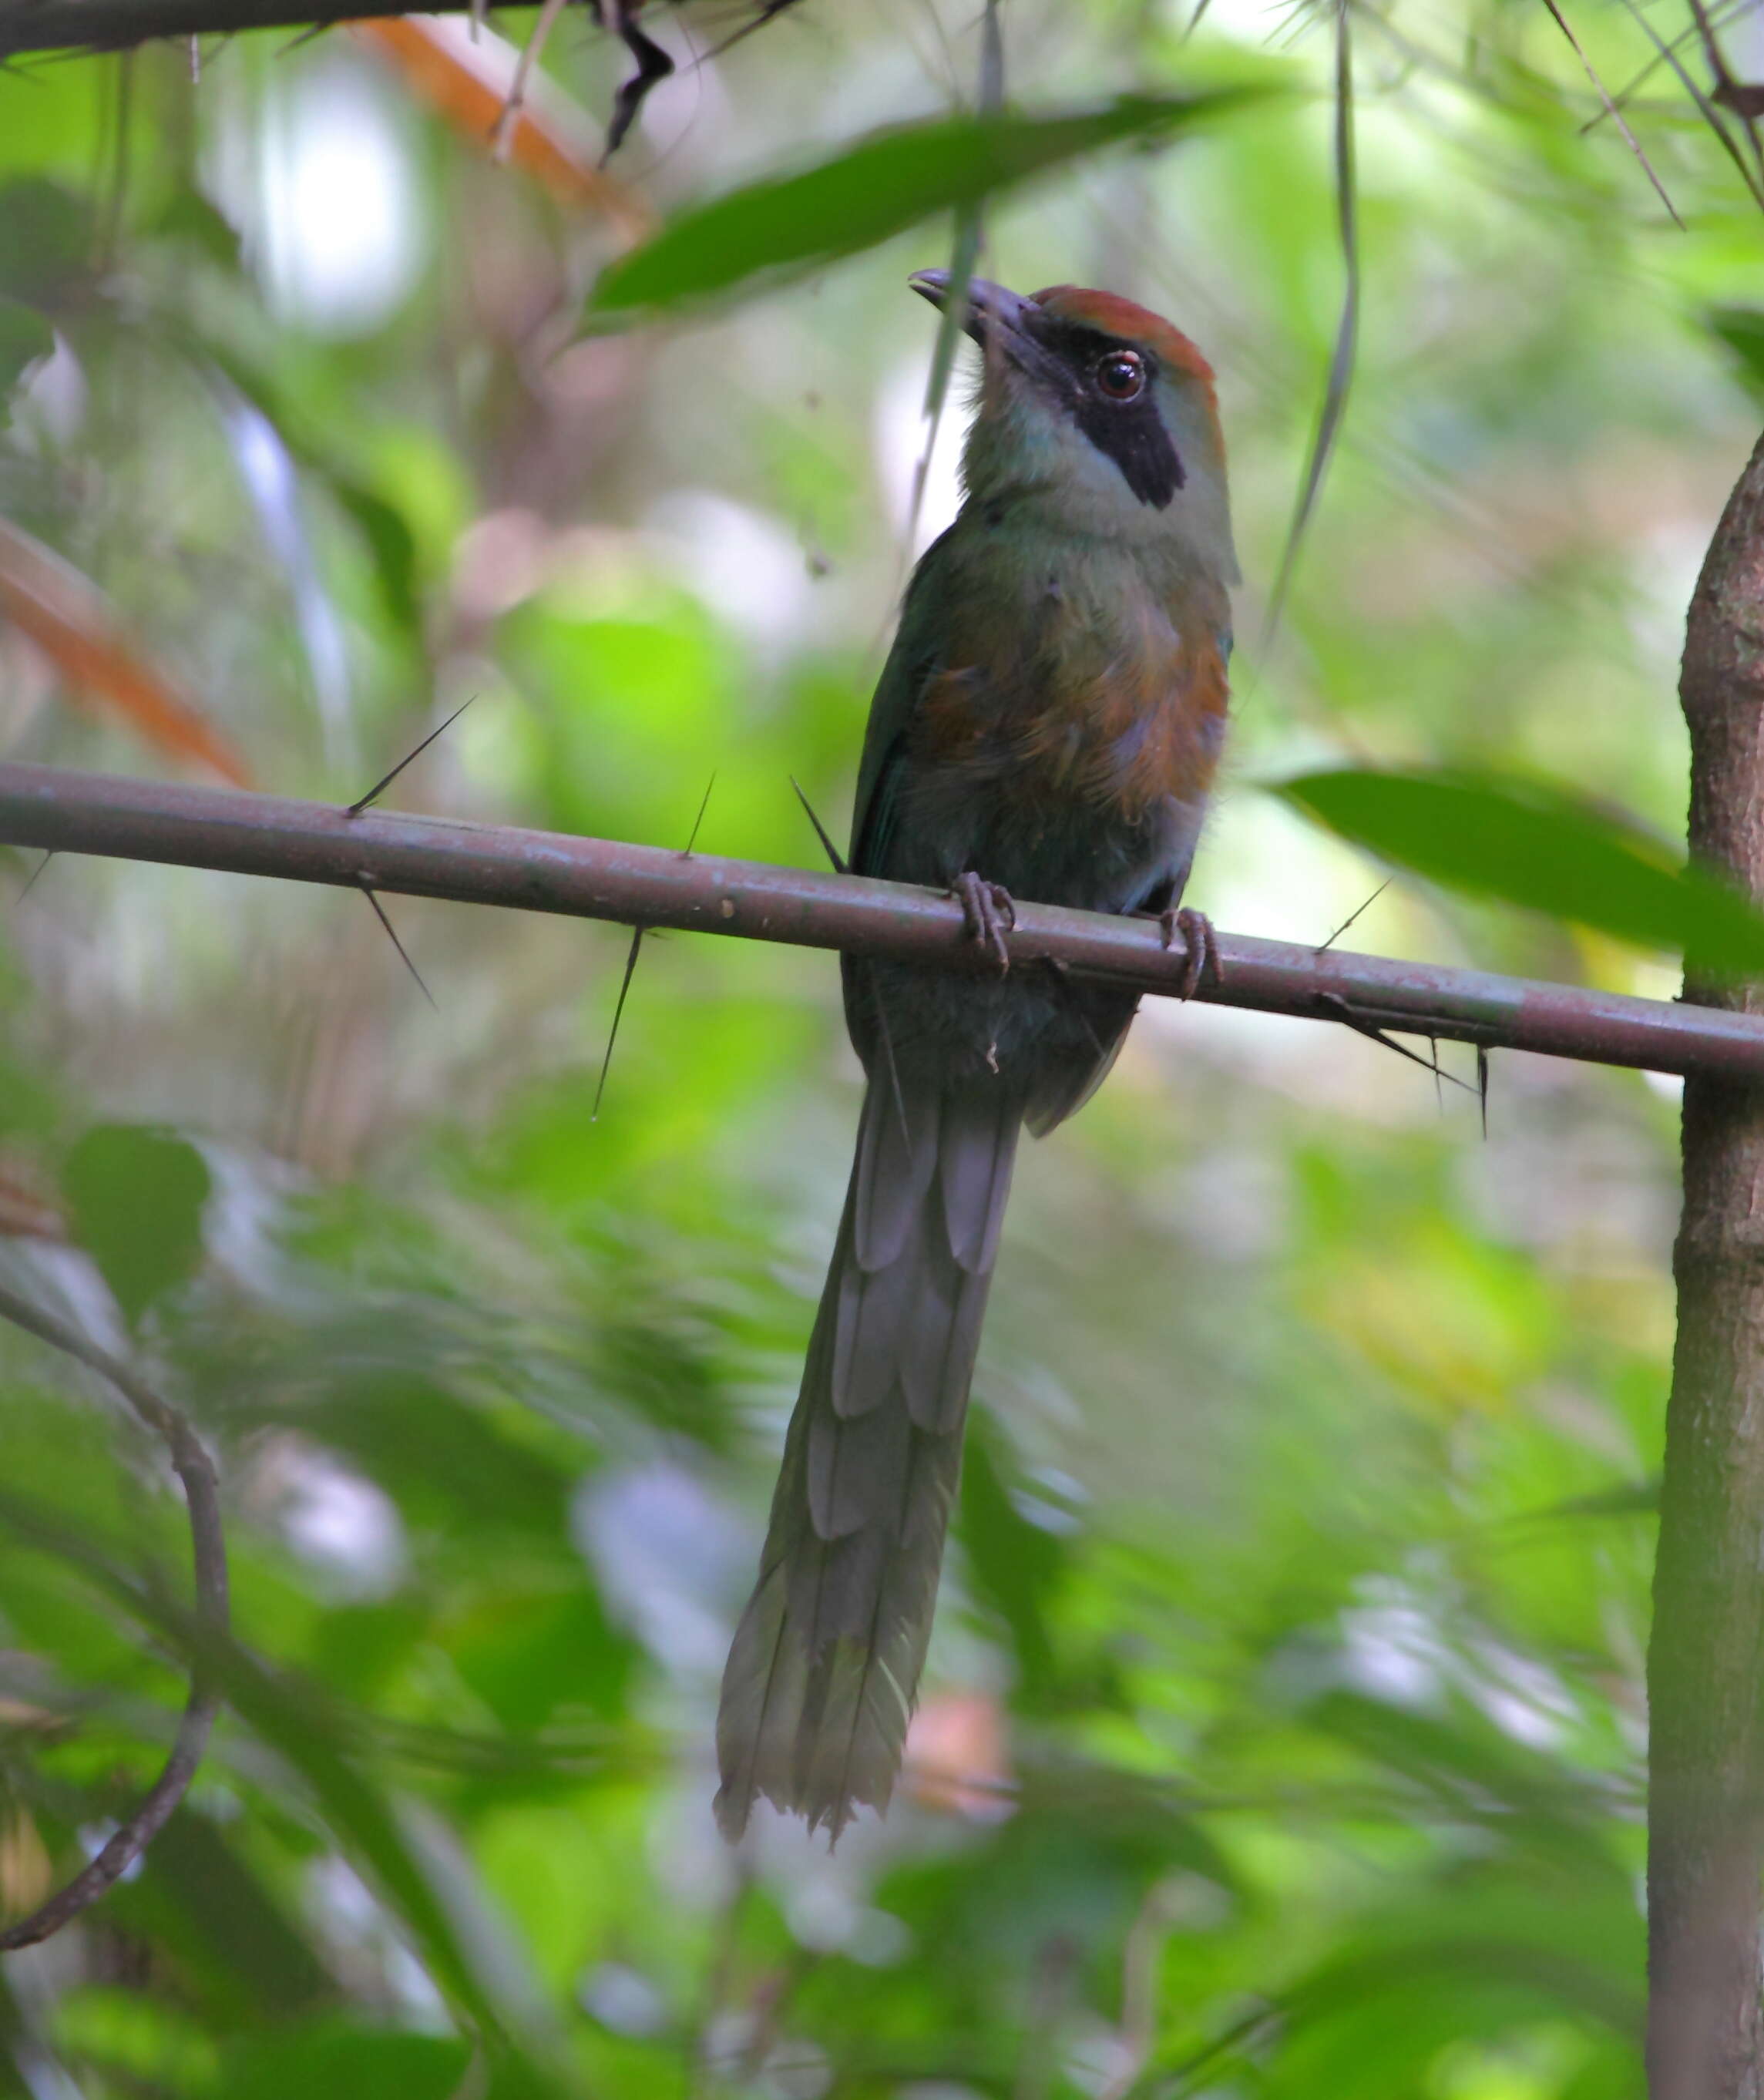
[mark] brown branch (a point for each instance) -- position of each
(196, 1470)
(210, 828)
(1706, 1659)
(56, 25)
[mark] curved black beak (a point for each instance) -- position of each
(993, 315)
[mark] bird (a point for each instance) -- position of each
(1047, 725)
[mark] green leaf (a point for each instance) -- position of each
(1540, 848)
(1742, 330)
(137, 1197)
(346, 2059)
(876, 188)
(1014, 1565)
(25, 337)
(438, 1906)
(391, 544)
(390, 541)
(45, 241)
(243, 1958)
(189, 217)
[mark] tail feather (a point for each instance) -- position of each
(898, 1151)
(822, 1678)
(975, 1155)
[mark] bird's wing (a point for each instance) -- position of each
(911, 663)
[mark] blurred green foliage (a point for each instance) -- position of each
(877, 187)
(1546, 850)
(1283, 1726)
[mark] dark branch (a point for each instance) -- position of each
(196, 1470)
(56, 25)
(210, 827)
(1706, 1664)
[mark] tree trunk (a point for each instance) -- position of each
(1706, 1861)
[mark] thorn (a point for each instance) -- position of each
(1352, 915)
(380, 787)
(1344, 1013)
(686, 854)
(30, 881)
(1612, 110)
(392, 934)
(831, 851)
(306, 36)
(772, 9)
(1482, 1086)
(618, 1015)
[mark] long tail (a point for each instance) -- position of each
(820, 1681)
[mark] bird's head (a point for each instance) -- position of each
(1098, 410)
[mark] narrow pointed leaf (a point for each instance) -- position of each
(75, 626)
(878, 187)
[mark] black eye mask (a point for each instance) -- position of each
(1131, 433)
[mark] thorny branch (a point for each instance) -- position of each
(51, 25)
(196, 1470)
(191, 826)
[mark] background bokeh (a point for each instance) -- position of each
(1281, 1734)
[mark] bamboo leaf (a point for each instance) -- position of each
(786, 225)
(1543, 848)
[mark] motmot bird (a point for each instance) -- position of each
(1047, 725)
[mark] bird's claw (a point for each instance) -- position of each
(987, 908)
(1200, 946)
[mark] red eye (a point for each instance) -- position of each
(1121, 375)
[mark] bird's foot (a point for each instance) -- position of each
(988, 911)
(1200, 946)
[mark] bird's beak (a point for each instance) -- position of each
(996, 319)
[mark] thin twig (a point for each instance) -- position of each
(769, 13)
(1637, 81)
(1341, 369)
(1139, 1985)
(1729, 92)
(1173, 2085)
(964, 255)
(502, 138)
(718, 1972)
(1710, 114)
(1616, 116)
(195, 1469)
